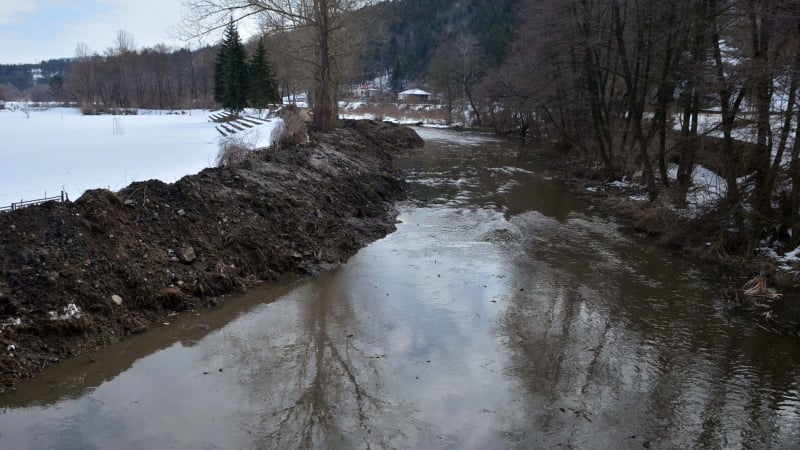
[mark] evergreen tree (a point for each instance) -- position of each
(231, 73)
(396, 79)
(220, 68)
(56, 89)
(263, 86)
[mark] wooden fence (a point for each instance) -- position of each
(25, 203)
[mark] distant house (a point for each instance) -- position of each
(366, 91)
(37, 75)
(415, 95)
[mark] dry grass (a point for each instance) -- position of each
(295, 126)
(99, 110)
(232, 150)
(757, 288)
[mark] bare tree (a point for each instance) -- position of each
(327, 19)
(470, 55)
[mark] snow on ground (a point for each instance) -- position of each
(707, 187)
(710, 124)
(706, 190)
(261, 136)
(399, 113)
(59, 148)
(785, 261)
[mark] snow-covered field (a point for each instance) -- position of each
(59, 148)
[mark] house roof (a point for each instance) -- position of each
(415, 92)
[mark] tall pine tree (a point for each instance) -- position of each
(263, 86)
(231, 72)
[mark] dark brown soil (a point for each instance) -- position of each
(161, 248)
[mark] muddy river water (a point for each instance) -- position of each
(504, 312)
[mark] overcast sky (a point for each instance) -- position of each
(36, 30)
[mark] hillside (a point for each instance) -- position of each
(21, 76)
(404, 36)
(411, 30)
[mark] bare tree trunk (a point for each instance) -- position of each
(729, 112)
(325, 105)
(690, 138)
(761, 24)
(635, 75)
(787, 122)
(472, 104)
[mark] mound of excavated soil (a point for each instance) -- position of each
(129, 258)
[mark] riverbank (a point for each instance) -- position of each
(754, 282)
(79, 275)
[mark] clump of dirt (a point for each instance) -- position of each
(77, 276)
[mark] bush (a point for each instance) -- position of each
(88, 109)
(232, 149)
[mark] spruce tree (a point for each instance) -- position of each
(220, 73)
(231, 74)
(263, 86)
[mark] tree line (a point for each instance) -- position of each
(158, 77)
(153, 77)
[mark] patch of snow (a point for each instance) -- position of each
(619, 184)
(508, 187)
(509, 170)
(707, 187)
(11, 322)
(786, 261)
(261, 136)
(71, 311)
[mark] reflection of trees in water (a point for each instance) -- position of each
(319, 390)
(598, 367)
(328, 383)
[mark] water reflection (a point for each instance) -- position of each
(501, 314)
(316, 385)
(617, 345)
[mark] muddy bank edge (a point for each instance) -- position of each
(77, 276)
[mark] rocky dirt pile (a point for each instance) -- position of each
(76, 276)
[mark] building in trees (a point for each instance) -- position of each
(414, 95)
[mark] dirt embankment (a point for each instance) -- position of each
(127, 259)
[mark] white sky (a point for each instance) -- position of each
(36, 30)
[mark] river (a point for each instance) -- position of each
(504, 312)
